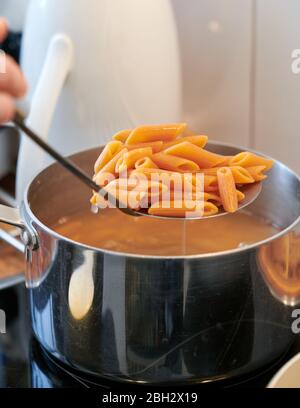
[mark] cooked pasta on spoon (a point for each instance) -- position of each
(161, 171)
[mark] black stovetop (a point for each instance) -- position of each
(23, 363)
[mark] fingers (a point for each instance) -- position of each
(12, 81)
(3, 29)
(7, 108)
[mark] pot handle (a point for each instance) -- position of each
(9, 238)
(11, 216)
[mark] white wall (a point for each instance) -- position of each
(277, 107)
(215, 39)
(238, 83)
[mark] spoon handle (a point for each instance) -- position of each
(19, 121)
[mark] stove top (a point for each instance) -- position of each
(24, 364)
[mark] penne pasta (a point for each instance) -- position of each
(181, 209)
(158, 132)
(166, 170)
(173, 163)
(93, 200)
(109, 151)
(215, 197)
(240, 195)
(187, 150)
(225, 161)
(246, 159)
(127, 161)
(175, 195)
(127, 199)
(136, 185)
(155, 146)
(210, 183)
(211, 172)
(199, 141)
(145, 162)
(203, 196)
(122, 135)
(227, 189)
(148, 172)
(175, 209)
(240, 174)
(152, 191)
(103, 178)
(173, 180)
(109, 168)
(257, 172)
(209, 209)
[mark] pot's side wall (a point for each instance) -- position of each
(155, 320)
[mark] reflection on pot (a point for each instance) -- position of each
(280, 266)
(81, 288)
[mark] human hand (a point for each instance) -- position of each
(12, 82)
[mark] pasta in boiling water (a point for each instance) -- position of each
(168, 172)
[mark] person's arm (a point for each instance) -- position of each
(12, 82)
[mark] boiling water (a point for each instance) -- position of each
(111, 229)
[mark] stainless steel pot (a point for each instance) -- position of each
(157, 319)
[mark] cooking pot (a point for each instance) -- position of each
(156, 319)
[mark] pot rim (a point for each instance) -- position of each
(168, 257)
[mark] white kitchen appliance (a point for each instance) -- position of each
(95, 67)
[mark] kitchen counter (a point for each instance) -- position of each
(11, 261)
